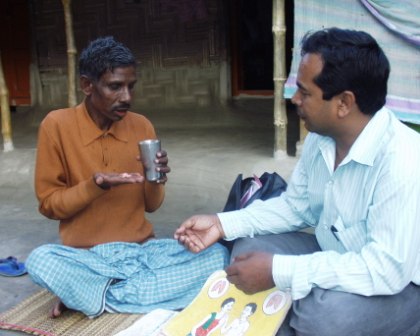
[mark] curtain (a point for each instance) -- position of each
(396, 27)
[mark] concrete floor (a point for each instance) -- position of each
(207, 149)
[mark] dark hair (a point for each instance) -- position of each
(104, 54)
(253, 307)
(352, 61)
(226, 301)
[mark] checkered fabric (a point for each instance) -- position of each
(124, 277)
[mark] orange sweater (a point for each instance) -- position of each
(71, 148)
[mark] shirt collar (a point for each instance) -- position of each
(89, 131)
(367, 145)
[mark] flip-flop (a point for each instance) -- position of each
(11, 267)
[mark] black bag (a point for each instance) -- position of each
(272, 185)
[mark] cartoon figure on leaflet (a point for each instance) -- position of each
(214, 320)
(240, 325)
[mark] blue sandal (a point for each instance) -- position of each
(10, 267)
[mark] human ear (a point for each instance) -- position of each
(86, 85)
(346, 102)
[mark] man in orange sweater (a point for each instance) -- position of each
(89, 177)
(88, 173)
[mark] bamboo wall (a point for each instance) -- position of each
(180, 46)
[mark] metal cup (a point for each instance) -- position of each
(148, 149)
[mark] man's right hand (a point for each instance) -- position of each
(199, 232)
(108, 180)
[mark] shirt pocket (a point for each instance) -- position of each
(353, 236)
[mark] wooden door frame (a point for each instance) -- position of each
(236, 64)
(16, 50)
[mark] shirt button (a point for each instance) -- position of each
(325, 227)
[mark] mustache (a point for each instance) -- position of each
(122, 107)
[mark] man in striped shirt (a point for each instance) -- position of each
(356, 184)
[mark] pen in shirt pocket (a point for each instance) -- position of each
(334, 232)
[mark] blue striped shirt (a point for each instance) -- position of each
(366, 213)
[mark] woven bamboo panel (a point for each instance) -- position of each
(31, 316)
(177, 43)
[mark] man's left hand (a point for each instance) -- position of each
(251, 272)
(162, 165)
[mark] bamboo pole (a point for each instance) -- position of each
(71, 53)
(280, 116)
(6, 126)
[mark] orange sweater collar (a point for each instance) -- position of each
(90, 131)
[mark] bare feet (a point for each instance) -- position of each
(57, 309)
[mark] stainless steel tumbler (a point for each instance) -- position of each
(148, 149)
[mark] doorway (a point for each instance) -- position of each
(15, 50)
(252, 55)
(252, 47)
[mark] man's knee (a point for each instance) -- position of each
(322, 316)
(327, 312)
(39, 261)
(36, 257)
(292, 243)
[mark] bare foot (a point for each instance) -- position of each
(57, 309)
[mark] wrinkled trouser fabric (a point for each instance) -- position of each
(124, 277)
(327, 312)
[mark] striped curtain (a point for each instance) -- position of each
(395, 27)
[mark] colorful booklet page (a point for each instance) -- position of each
(221, 309)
